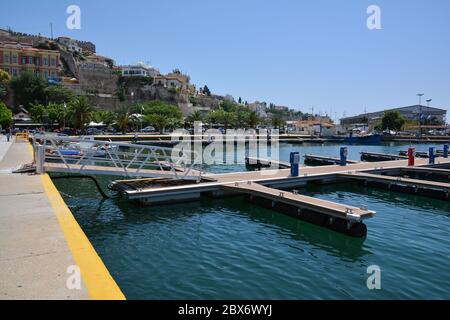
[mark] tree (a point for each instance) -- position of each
(6, 117)
(206, 90)
(253, 119)
(5, 78)
(56, 113)
(123, 118)
(80, 112)
(220, 116)
(392, 120)
(37, 111)
(162, 115)
(28, 88)
(229, 106)
(59, 94)
(106, 117)
(240, 116)
(193, 117)
(278, 122)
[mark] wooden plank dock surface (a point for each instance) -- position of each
(433, 185)
(302, 201)
(272, 175)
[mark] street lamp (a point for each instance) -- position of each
(64, 115)
(142, 116)
(420, 95)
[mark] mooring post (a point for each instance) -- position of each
(40, 159)
(295, 161)
(344, 154)
(411, 152)
(432, 155)
(445, 150)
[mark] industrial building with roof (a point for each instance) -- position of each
(412, 113)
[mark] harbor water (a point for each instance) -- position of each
(231, 249)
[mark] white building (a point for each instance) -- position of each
(71, 44)
(140, 69)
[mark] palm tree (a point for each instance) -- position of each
(193, 117)
(159, 121)
(220, 116)
(278, 122)
(253, 119)
(123, 118)
(81, 112)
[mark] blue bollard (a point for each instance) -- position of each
(295, 161)
(432, 155)
(344, 154)
(445, 150)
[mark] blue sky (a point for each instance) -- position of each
(295, 53)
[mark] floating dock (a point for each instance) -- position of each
(315, 160)
(427, 173)
(431, 189)
(422, 154)
(374, 156)
(338, 217)
(254, 162)
(266, 186)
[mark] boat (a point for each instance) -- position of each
(361, 137)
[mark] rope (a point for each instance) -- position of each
(104, 195)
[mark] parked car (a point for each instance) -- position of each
(148, 129)
(93, 131)
(111, 130)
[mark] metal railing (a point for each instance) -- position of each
(77, 155)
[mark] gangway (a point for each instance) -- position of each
(84, 156)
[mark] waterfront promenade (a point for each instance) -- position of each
(40, 239)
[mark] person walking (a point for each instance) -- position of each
(8, 134)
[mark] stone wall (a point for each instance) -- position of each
(70, 61)
(107, 103)
(96, 80)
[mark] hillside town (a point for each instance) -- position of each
(225, 159)
(72, 69)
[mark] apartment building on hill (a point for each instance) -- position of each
(16, 58)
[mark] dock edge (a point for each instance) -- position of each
(96, 277)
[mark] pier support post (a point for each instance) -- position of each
(295, 161)
(445, 150)
(432, 155)
(40, 159)
(411, 154)
(344, 154)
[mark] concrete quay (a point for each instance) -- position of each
(41, 244)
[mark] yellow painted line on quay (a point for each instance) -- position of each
(96, 277)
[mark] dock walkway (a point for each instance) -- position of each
(431, 188)
(302, 201)
(35, 255)
(40, 239)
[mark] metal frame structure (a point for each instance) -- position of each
(130, 159)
